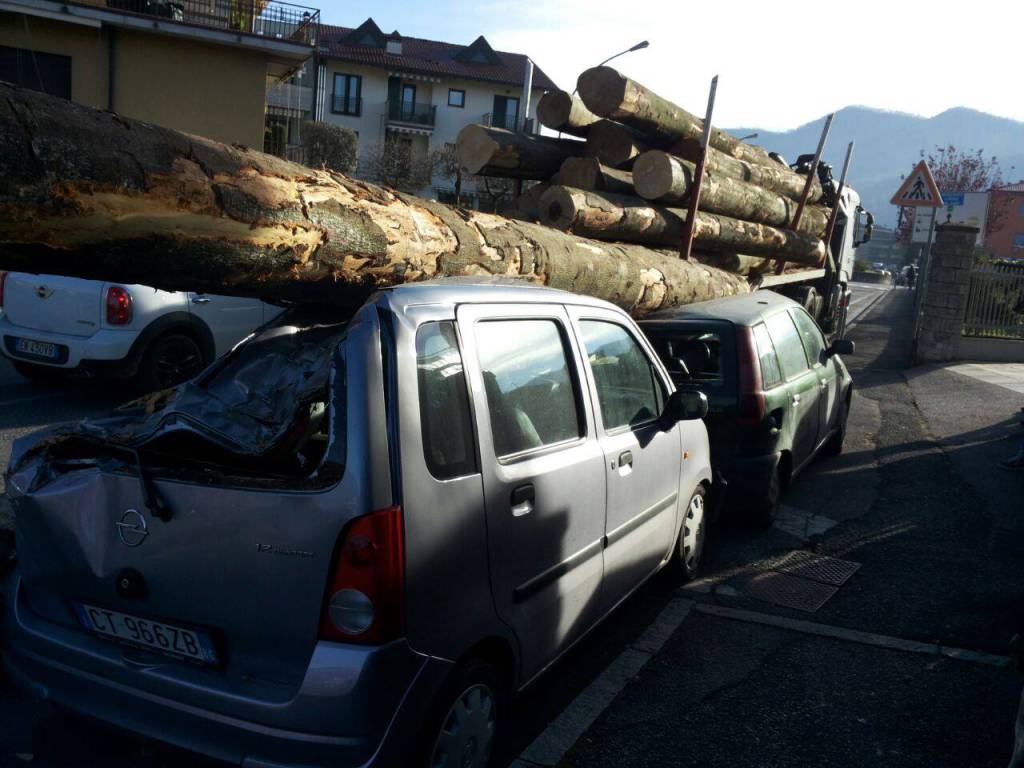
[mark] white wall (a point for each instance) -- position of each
(973, 211)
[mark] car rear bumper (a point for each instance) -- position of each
(748, 478)
(340, 684)
(78, 352)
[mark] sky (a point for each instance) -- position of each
(781, 64)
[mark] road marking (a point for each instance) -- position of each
(852, 635)
(850, 322)
(550, 746)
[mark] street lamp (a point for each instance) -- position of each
(750, 136)
(638, 47)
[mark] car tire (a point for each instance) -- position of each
(834, 446)
(41, 374)
(170, 360)
(765, 510)
(463, 721)
(692, 539)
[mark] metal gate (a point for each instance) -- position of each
(995, 303)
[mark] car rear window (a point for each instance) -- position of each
(696, 353)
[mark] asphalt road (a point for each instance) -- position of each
(915, 500)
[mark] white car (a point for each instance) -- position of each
(51, 325)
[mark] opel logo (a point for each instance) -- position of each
(131, 529)
(44, 292)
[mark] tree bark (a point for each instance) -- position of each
(609, 94)
(589, 173)
(91, 194)
(565, 112)
(776, 177)
(617, 217)
(497, 152)
(614, 144)
(658, 176)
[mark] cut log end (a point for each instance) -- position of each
(613, 144)
(557, 208)
(655, 175)
(474, 148)
(602, 90)
(554, 109)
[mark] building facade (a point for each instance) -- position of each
(967, 209)
(1005, 238)
(199, 66)
(415, 93)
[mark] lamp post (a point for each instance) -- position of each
(638, 47)
(749, 136)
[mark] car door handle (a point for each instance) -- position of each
(626, 459)
(796, 399)
(521, 500)
(200, 299)
(824, 383)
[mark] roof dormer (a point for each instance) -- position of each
(478, 52)
(367, 34)
(394, 44)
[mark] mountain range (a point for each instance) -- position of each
(889, 144)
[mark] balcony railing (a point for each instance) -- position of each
(346, 105)
(265, 18)
(418, 114)
(508, 122)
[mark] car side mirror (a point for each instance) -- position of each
(684, 405)
(841, 347)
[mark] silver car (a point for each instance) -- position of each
(349, 541)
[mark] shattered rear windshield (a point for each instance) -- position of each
(271, 410)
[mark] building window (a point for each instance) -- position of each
(45, 72)
(1018, 241)
(1020, 211)
(347, 97)
(456, 97)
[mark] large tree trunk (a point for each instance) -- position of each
(91, 194)
(565, 112)
(590, 173)
(775, 177)
(617, 217)
(660, 177)
(609, 94)
(497, 152)
(614, 144)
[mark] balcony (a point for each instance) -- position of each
(506, 121)
(265, 18)
(413, 114)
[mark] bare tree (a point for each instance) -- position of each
(394, 164)
(967, 170)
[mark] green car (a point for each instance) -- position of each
(778, 391)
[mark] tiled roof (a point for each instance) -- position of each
(432, 57)
(1018, 187)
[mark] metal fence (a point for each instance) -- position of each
(995, 303)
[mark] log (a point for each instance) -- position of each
(660, 177)
(609, 94)
(590, 173)
(92, 194)
(565, 112)
(614, 144)
(497, 152)
(777, 178)
(736, 263)
(617, 217)
(527, 207)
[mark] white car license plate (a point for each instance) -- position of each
(166, 638)
(37, 348)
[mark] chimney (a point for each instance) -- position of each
(527, 92)
(393, 43)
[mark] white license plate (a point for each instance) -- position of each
(37, 348)
(166, 638)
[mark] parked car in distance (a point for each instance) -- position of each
(349, 540)
(778, 393)
(52, 325)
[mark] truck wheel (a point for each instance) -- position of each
(170, 360)
(464, 720)
(41, 374)
(692, 536)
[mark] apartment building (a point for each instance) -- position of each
(200, 66)
(387, 87)
(1005, 237)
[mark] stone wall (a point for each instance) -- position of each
(945, 293)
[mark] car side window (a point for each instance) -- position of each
(445, 421)
(787, 343)
(810, 335)
(531, 391)
(771, 374)
(628, 389)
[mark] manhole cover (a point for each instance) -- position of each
(808, 565)
(789, 591)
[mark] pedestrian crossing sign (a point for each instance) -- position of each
(919, 189)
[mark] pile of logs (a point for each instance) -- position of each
(631, 177)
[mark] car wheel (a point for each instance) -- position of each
(41, 374)
(766, 509)
(461, 728)
(834, 446)
(170, 360)
(692, 536)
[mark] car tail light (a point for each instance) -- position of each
(119, 305)
(366, 598)
(3, 279)
(752, 402)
